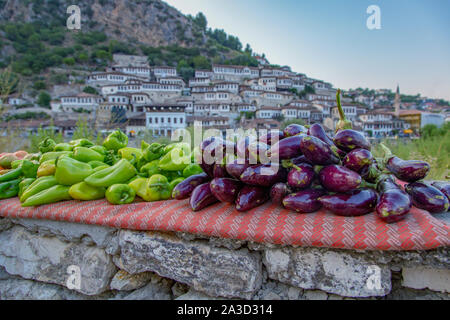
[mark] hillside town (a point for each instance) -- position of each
(139, 98)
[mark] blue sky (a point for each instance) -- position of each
(329, 40)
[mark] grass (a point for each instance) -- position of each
(435, 150)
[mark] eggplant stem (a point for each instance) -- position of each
(339, 106)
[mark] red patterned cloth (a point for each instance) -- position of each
(265, 224)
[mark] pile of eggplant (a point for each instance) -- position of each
(312, 171)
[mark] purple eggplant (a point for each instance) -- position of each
(405, 170)
(202, 197)
(272, 135)
(316, 130)
(184, 189)
(225, 189)
(257, 152)
(386, 183)
(318, 152)
(339, 179)
(264, 175)
(251, 197)
(287, 148)
(294, 129)
(443, 187)
(427, 197)
(408, 170)
(354, 203)
(301, 176)
(220, 171)
(357, 159)
(278, 192)
(349, 140)
(304, 201)
(235, 168)
(394, 204)
(242, 146)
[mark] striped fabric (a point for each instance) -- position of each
(265, 224)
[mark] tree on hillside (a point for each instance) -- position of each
(44, 99)
(201, 21)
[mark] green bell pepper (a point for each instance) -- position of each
(100, 149)
(84, 154)
(70, 171)
(47, 145)
(24, 184)
(104, 166)
(130, 154)
(81, 143)
(29, 168)
(47, 168)
(158, 187)
(9, 189)
(153, 151)
(85, 192)
(174, 183)
(175, 160)
(94, 164)
(191, 170)
(120, 194)
(116, 141)
(121, 172)
(172, 175)
(154, 188)
(150, 168)
(37, 186)
(111, 158)
(63, 147)
(16, 163)
(181, 145)
(53, 155)
(11, 175)
(50, 195)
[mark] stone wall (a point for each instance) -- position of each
(42, 259)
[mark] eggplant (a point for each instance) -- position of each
(354, 203)
(242, 146)
(394, 205)
(272, 135)
(349, 140)
(257, 152)
(264, 175)
(357, 159)
(405, 170)
(202, 197)
(278, 192)
(443, 187)
(184, 189)
(225, 189)
(251, 197)
(220, 171)
(294, 129)
(316, 130)
(408, 170)
(301, 176)
(387, 183)
(287, 148)
(304, 201)
(339, 179)
(427, 197)
(235, 168)
(318, 152)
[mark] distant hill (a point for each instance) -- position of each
(36, 44)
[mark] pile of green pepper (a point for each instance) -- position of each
(81, 170)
